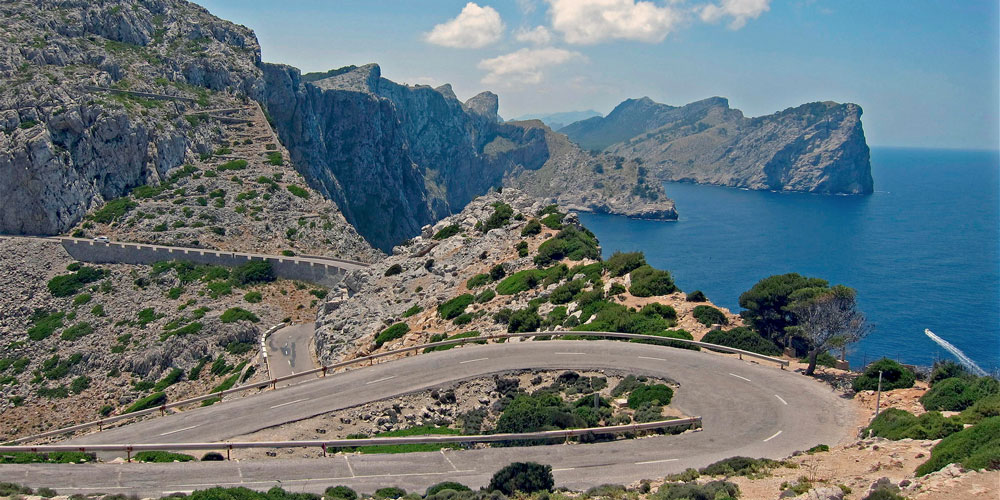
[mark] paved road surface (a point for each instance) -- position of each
(747, 409)
(288, 352)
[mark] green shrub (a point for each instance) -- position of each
(253, 297)
(440, 337)
(533, 227)
(151, 401)
(390, 492)
(947, 369)
(982, 409)
(884, 492)
(696, 296)
(196, 371)
(894, 376)
(570, 243)
(739, 466)
(563, 294)
(69, 284)
(708, 316)
(81, 299)
(232, 165)
(650, 282)
(977, 447)
(298, 191)
(661, 310)
(657, 394)
(340, 493)
(161, 457)
(392, 333)
(113, 210)
(234, 314)
(553, 221)
(447, 485)
(53, 392)
(485, 296)
(44, 323)
(742, 338)
(170, 379)
(898, 424)
(412, 311)
(819, 448)
(520, 281)
(56, 457)
(524, 477)
(447, 232)
(713, 490)
(79, 384)
(822, 359)
(274, 158)
(959, 393)
(524, 320)
(77, 331)
(257, 271)
(188, 329)
(393, 270)
(522, 249)
(620, 264)
(478, 281)
(501, 215)
(455, 307)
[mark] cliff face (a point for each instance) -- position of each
(396, 158)
(818, 147)
(64, 146)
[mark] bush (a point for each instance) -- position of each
(696, 296)
(161, 457)
(657, 394)
(172, 378)
(70, 284)
(392, 333)
(79, 384)
(570, 243)
(253, 297)
(393, 270)
(232, 165)
(298, 191)
(945, 370)
(553, 221)
(620, 264)
(447, 232)
(456, 306)
(650, 282)
(563, 294)
(81, 299)
(708, 316)
(713, 490)
(533, 227)
(957, 394)
(524, 320)
(885, 492)
(526, 477)
(151, 401)
(977, 447)
(391, 492)
(742, 338)
(520, 281)
(662, 310)
(739, 466)
(340, 493)
(447, 485)
(896, 424)
(894, 376)
(501, 215)
(251, 273)
(274, 158)
(44, 323)
(77, 331)
(113, 210)
(234, 314)
(983, 409)
(478, 281)
(412, 311)
(485, 296)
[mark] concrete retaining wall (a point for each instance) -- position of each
(322, 273)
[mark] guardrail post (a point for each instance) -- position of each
(324, 449)
(128, 450)
(100, 425)
(228, 452)
(324, 376)
(163, 410)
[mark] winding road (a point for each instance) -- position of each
(747, 409)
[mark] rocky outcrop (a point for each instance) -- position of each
(66, 147)
(817, 147)
(396, 158)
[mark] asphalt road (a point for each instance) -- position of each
(288, 352)
(747, 409)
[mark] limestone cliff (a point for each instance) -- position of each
(817, 147)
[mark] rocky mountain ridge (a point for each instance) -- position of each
(817, 147)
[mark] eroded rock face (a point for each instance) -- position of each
(817, 147)
(66, 147)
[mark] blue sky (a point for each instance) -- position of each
(925, 72)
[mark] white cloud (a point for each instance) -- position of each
(525, 65)
(739, 10)
(474, 27)
(537, 35)
(526, 6)
(593, 21)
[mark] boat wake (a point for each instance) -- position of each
(962, 358)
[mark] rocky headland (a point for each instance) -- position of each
(817, 147)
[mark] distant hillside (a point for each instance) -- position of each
(817, 147)
(556, 121)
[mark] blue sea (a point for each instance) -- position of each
(922, 251)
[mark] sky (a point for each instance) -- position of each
(925, 72)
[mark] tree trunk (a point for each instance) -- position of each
(813, 354)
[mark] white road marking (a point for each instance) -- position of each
(576, 353)
(448, 460)
(776, 434)
(289, 481)
(380, 380)
(737, 376)
(779, 399)
(472, 361)
(349, 468)
(658, 461)
(289, 403)
(179, 430)
(647, 357)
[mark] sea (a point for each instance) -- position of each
(923, 251)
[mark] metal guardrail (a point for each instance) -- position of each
(323, 370)
(351, 443)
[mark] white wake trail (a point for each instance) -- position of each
(962, 358)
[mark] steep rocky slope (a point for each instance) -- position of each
(817, 147)
(500, 270)
(396, 157)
